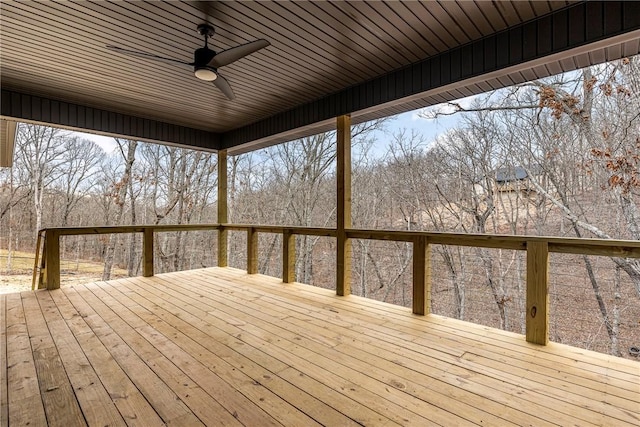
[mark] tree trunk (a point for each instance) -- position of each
(121, 188)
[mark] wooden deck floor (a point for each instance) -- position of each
(219, 347)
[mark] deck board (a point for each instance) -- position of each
(23, 392)
(58, 397)
(220, 347)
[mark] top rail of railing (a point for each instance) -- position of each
(582, 246)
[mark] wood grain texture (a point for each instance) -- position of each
(537, 316)
(223, 211)
(52, 259)
(288, 257)
(218, 346)
(25, 406)
(4, 399)
(147, 252)
(252, 251)
(60, 404)
(421, 276)
(343, 211)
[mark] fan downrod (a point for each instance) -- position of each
(206, 30)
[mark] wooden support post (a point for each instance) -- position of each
(42, 277)
(36, 259)
(538, 292)
(421, 276)
(288, 257)
(222, 208)
(252, 251)
(52, 259)
(343, 261)
(147, 252)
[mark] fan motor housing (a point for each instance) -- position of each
(202, 56)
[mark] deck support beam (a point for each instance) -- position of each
(343, 261)
(421, 276)
(288, 257)
(537, 324)
(223, 259)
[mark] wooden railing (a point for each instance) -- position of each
(537, 249)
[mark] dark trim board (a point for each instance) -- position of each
(29, 108)
(571, 28)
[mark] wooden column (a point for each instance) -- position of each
(42, 277)
(538, 292)
(252, 251)
(222, 208)
(421, 276)
(288, 257)
(343, 261)
(147, 252)
(52, 259)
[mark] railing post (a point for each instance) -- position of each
(421, 276)
(252, 251)
(537, 292)
(222, 208)
(52, 259)
(147, 252)
(42, 277)
(288, 257)
(36, 259)
(343, 252)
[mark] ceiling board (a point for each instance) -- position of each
(325, 58)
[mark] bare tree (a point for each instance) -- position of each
(119, 189)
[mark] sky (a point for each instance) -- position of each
(107, 143)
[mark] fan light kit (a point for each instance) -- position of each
(206, 61)
(206, 74)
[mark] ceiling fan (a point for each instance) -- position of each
(206, 61)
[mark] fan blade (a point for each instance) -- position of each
(228, 56)
(146, 55)
(222, 84)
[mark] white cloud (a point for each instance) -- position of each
(107, 143)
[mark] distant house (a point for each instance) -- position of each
(514, 179)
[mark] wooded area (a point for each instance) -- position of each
(554, 157)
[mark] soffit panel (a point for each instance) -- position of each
(56, 51)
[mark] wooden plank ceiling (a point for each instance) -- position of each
(53, 56)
